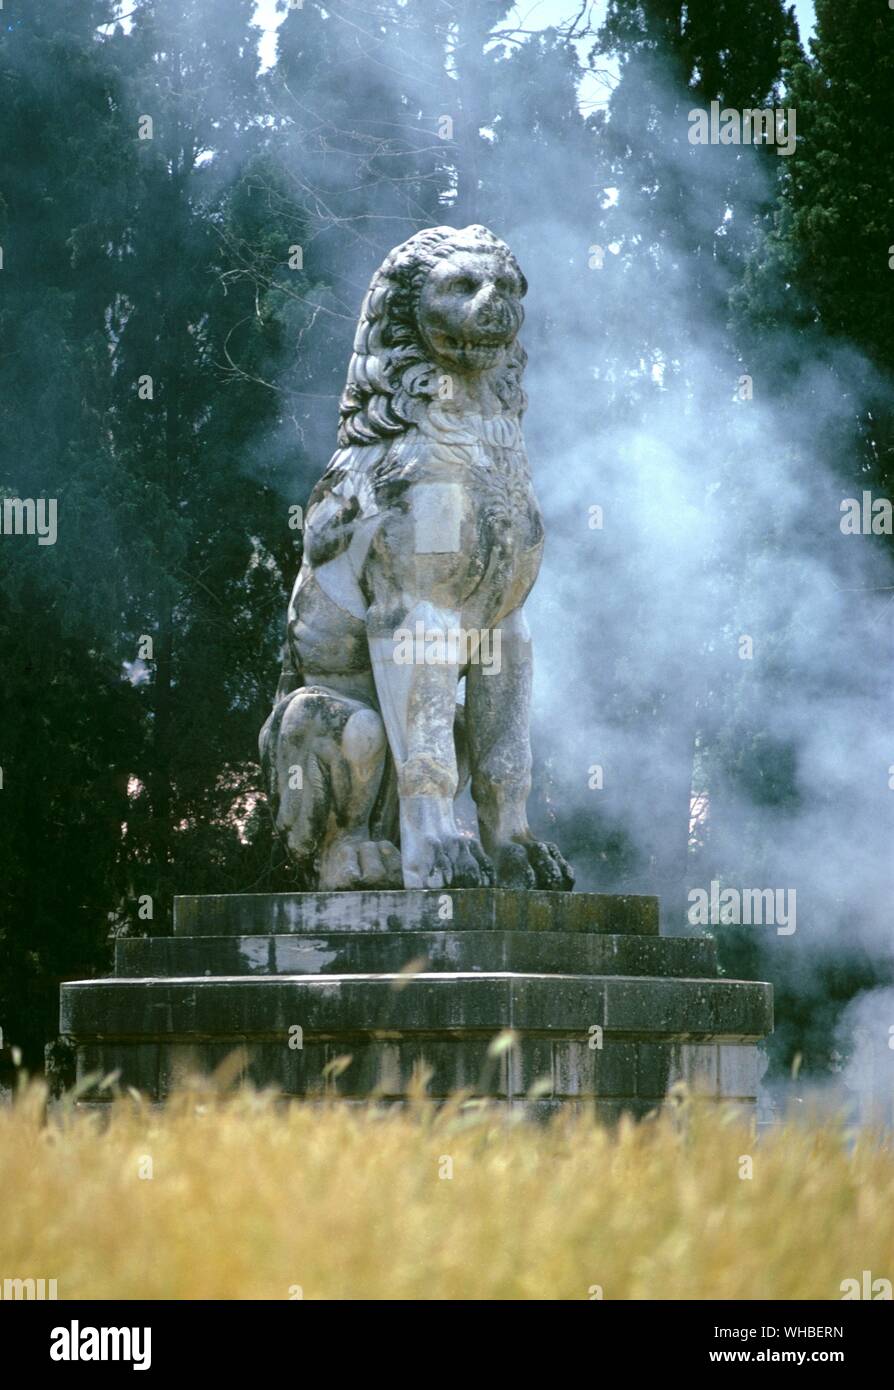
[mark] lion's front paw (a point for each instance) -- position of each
(349, 864)
(551, 869)
(533, 864)
(513, 869)
(454, 861)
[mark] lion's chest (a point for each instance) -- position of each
(471, 497)
(499, 487)
(510, 535)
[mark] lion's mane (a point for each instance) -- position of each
(390, 370)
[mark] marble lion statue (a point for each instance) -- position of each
(422, 541)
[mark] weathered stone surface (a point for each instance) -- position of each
(276, 914)
(608, 1020)
(360, 953)
(557, 1070)
(344, 1005)
(739, 1070)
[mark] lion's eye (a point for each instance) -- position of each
(464, 285)
(506, 286)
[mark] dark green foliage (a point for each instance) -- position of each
(823, 269)
(69, 728)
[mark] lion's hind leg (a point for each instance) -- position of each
(324, 755)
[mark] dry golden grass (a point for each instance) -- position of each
(248, 1199)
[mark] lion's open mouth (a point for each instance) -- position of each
(478, 352)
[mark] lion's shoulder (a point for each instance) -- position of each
(342, 497)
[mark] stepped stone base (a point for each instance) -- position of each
(604, 1013)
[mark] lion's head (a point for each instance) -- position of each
(445, 302)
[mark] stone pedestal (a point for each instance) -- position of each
(605, 1013)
